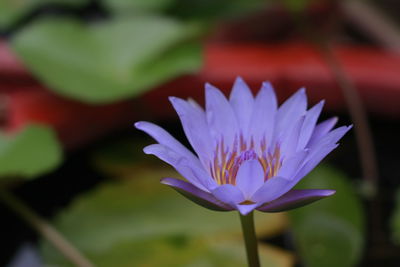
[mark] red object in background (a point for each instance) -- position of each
(288, 66)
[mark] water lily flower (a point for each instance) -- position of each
(249, 153)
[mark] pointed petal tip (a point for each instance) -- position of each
(246, 209)
(329, 193)
(138, 124)
(148, 150)
(172, 99)
(209, 86)
(142, 125)
(295, 199)
(211, 91)
(166, 181)
(239, 79)
(266, 83)
(239, 84)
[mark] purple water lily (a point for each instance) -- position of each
(250, 153)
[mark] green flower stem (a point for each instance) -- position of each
(250, 239)
(45, 229)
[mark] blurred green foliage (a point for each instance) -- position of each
(32, 151)
(395, 220)
(13, 10)
(331, 231)
(110, 60)
(136, 46)
(140, 222)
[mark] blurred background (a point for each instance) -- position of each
(75, 187)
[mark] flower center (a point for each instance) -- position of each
(227, 160)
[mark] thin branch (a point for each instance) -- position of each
(45, 229)
(358, 115)
(373, 22)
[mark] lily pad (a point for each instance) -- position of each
(29, 153)
(139, 222)
(109, 60)
(330, 232)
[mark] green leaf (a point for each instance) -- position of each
(11, 10)
(33, 151)
(331, 231)
(140, 222)
(111, 60)
(395, 220)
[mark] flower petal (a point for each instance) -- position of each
(295, 198)
(194, 104)
(229, 194)
(164, 138)
(250, 177)
(195, 127)
(290, 111)
(309, 124)
(246, 208)
(289, 140)
(312, 160)
(321, 129)
(264, 112)
(332, 137)
(270, 190)
(316, 154)
(290, 166)
(198, 196)
(242, 100)
(221, 119)
(182, 165)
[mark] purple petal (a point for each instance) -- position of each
(309, 124)
(332, 137)
(291, 165)
(308, 166)
(295, 198)
(198, 196)
(321, 129)
(164, 138)
(242, 100)
(182, 165)
(290, 138)
(264, 112)
(194, 104)
(195, 126)
(250, 177)
(246, 208)
(313, 159)
(220, 116)
(290, 111)
(316, 154)
(229, 194)
(271, 189)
